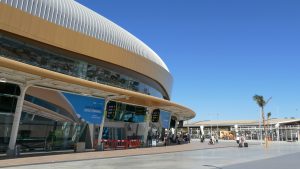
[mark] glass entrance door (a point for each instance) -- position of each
(113, 133)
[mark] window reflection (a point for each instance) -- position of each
(8, 100)
(124, 112)
(39, 57)
(38, 133)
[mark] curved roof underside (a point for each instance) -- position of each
(21, 73)
(72, 15)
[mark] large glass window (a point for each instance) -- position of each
(47, 105)
(38, 133)
(8, 101)
(126, 113)
(23, 52)
(39, 130)
(113, 133)
(5, 130)
(9, 89)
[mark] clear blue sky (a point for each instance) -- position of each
(220, 52)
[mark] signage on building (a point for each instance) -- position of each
(140, 110)
(111, 109)
(155, 115)
(89, 109)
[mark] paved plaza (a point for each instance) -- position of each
(225, 155)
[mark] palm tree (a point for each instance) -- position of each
(269, 116)
(262, 103)
(268, 123)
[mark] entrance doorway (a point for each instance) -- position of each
(114, 133)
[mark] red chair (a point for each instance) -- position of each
(121, 144)
(114, 144)
(134, 143)
(106, 144)
(131, 143)
(127, 143)
(138, 143)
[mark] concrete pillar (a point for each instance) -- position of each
(202, 130)
(281, 138)
(236, 129)
(298, 132)
(91, 129)
(277, 131)
(16, 121)
(102, 125)
(148, 119)
(260, 131)
(286, 133)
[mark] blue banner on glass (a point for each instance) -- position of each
(89, 109)
(165, 119)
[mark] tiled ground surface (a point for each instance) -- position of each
(222, 156)
(194, 145)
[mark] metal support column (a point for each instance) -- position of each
(11, 152)
(298, 136)
(277, 127)
(285, 131)
(260, 131)
(147, 125)
(99, 144)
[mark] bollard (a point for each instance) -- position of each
(100, 147)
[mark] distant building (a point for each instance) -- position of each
(277, 129)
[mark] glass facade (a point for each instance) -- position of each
(36, 56)
(130, 116)
(41, 127)
(37, 130)
(126, 113)
(38, 133)
(48, 105)
(8, 100)
(114, 133)
(6, 121)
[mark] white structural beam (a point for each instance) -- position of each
(148, 119)
(16, 122)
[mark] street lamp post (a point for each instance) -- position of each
(260, 131)
(210, 130)
(218, 126)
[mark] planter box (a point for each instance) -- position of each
(80, 147)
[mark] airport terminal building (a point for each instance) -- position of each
(287, 129)
(69, 75)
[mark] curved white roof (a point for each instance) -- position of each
(72, 15)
